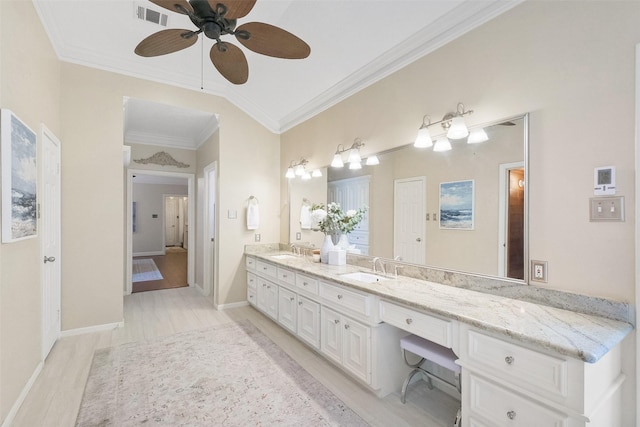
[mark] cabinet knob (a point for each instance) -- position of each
(346, 326)
(304, 283)
(284, 276)
(511, 415)
(269, 287)
(409, 321)
(509, 360)
(264, 284)
(336, 321)
(292, 298)
(299, 302)
(339, 296)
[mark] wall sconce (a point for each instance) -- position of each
(354, 159)
(299, 169)
(455, 126)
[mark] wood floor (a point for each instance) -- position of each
(172, 266)
(56, 395)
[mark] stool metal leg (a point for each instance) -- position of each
(406, 384)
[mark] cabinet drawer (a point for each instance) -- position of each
(251, 281)
(424, 325)
(538, 372)
(344, 298)
(286, 276)
(502, 407)
(266, 269)
(307, 283)
(250, 263)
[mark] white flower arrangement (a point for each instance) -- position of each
(333, 219)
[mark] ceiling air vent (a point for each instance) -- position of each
(150, 15)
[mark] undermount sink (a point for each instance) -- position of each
(284, 256)
(361, 276)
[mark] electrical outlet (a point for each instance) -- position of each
(539, 271)
(257, 237)
(298, 236)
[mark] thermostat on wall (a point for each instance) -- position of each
(604, 181)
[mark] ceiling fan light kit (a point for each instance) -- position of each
(216, 19)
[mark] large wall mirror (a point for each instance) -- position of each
(462, 210)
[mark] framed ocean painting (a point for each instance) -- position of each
(19, 179)
(457, 205)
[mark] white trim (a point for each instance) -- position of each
(23, 395)
(128, 284)
(231, 305)
(637, 230)
(502, 216)
(90, 329)
(153, 253)
(210, 274)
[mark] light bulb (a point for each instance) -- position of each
(290, 173)
(476, 136)
(458, 129)
(372, 160)
(423, 139)
(442, 144)
(337, 161)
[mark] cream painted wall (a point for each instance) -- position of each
(567, 63)
(30, 87)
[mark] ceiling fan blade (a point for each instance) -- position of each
(165, 41)
(272, 41)
(235, 8)
(172, 5)
(230, 62)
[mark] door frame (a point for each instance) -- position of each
(45, 133)
(503, 207)
(128, 284)
(423, 236)
(210, 276)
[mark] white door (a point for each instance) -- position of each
(409, 220)
(171, 220)
(50, 212)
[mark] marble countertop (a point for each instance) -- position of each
(582, 336)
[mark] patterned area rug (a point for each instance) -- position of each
(230, 375)
(144, 270)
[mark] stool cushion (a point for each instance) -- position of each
(436, 353)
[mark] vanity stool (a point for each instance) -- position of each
(428, 350)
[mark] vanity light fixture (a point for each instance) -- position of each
(317, 173)
(423, 139)
(297, 168)
(354, 160)
(477, 136)
(442, 144)
(372, 160)
(454, 125)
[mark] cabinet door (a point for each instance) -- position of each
(261, 294)
(309, 321)
(251, 296)
(356, 341)
(272, 300)
(287, 309)
(331, 334)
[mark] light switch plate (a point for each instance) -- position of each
(232, 214)
(257, 237)
(298, 235)
(606, 209)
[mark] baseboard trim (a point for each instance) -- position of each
(231, 305)
(152, 253)
(23, 395)
(90, 329)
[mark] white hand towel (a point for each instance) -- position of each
(253, 216)
(305, 217)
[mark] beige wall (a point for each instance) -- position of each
(30, 87)
(568, 64)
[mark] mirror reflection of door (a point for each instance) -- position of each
(515, 224)
(409, 220)
(175, 220)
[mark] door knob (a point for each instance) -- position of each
(418, 239)
(49, 259)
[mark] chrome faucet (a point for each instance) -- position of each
(295, 249)
(375, 261)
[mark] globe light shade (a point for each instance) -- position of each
(372, 160)
(337, 161)
(355, 165)
(306, 176)
(316, 173)
(442, 144)
(299, 171)
(423, 139)
(477, 136)
(354, 156)
(458, 129)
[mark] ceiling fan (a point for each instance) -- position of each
(214, 19)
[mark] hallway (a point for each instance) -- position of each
(172, 266)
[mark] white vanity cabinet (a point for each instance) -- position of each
(288, 309)
(508, 384)
(309, 321)
(251, 288)
(267, 296)
(347, 342)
